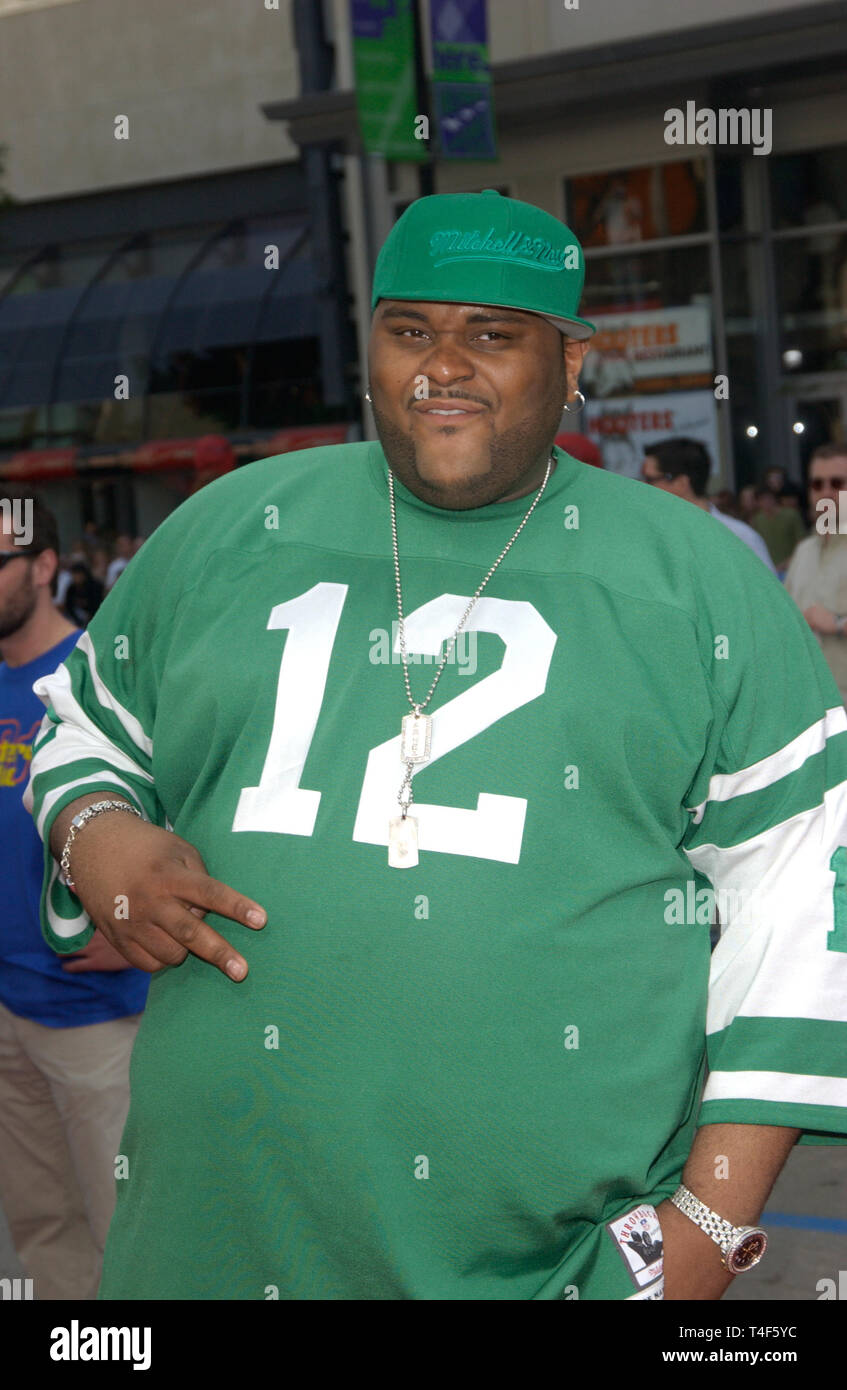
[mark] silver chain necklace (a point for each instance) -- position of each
(416, 728)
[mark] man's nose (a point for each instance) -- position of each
(447, 358)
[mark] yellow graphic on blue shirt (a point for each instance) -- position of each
(15, 752)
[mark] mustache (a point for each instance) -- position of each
(454, 396)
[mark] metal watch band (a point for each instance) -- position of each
(78, 822)
(840, 623)
(741, 1246)
(721, 1231)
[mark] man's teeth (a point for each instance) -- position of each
(436, 410)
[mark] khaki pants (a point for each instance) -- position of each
(64, 1096)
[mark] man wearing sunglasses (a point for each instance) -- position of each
(817, 575)
(681, 466)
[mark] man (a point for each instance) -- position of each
(682, 466)
(124, 551)
(781, 528)
(437, 1080)
(66, 1025)
(83, 595)
(817, 575)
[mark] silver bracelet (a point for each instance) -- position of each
(741, 1247)
(78, 822)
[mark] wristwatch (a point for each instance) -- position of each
(742, 1247)
(840, 624)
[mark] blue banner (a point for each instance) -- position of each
(461, 79)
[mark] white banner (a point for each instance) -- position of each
(650, 343)
(621, 427)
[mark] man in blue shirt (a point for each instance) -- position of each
(67, 1023)
(682, 466)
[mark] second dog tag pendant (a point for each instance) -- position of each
(402, 842)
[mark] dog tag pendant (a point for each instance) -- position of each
(402, 842)
(415, 733)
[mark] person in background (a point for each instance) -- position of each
(817, 575)
(682, 466)
(124, 551)
(747, 503)
(63, 582)
(781, 528)
(67, 1023)
(726, 502)
(84, 594)
(775, 480)
(99, 564)
(792, 496)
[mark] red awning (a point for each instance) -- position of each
(209, 452)
(208, 456)
(40, 464)
(305, 437)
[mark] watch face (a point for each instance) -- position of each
(747, 1252)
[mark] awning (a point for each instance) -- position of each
(209, 455)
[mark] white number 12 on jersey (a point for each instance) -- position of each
(494, 830)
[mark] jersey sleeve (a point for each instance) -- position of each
(768, 829)
(96, 734)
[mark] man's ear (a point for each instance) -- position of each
(574, 351)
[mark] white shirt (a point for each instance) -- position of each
(746, 534)
(818, 574)
(117, 567)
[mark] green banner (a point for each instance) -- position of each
(386, 92)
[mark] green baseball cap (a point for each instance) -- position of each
(482, 248)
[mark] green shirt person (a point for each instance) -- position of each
(781, 527)
(460, 1054)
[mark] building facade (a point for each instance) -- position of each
(185, 259)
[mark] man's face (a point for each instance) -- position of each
(18, 593)
(507, 371)
(651, 472)
(827, 477)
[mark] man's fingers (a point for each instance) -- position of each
(211, 895)
(137, 955)
(188, 930)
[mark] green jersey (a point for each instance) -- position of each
(475, 1077)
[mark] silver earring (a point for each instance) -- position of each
(368, 394)
(568, 408)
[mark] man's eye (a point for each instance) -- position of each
(489, 333)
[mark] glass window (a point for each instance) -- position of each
(11, 263)
(811, 278)
(810, 188)
(219, 305)
(654, 323)
(660, 200)
(286, 385)
(729, 195)
(646, 280)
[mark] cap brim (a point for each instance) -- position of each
(572, 328)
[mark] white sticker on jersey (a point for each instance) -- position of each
(656, 1290)
(638, 1236)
